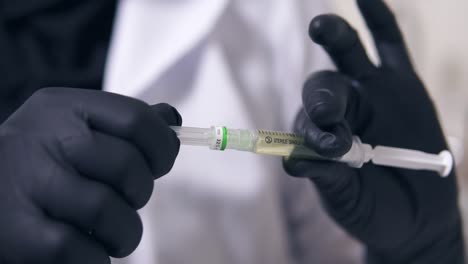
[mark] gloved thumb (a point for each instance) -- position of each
(322, 122)
(168, 113)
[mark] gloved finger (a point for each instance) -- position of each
(326, 100)
(93, 208)
(45, 241)
(139, 124)
(343, 45)
(332, 141)
(329, 98)
(331, 178)
(338, 184)
(350, 197)
(112, 161)
(387, 35)
(325, 97)
(168, 113)
(129, 119)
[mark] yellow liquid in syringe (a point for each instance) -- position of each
(283, 144)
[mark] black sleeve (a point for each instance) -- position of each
(44, 43)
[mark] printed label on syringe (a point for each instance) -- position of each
(220, 138)
(277, 143)
(282, 144)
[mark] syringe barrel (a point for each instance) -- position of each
(194, 136)
(217, 137)
(263, 142)
(291, 145)
(241, 139)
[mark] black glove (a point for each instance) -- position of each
(403, 216)
(75, 165)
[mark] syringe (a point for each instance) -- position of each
(292, 145)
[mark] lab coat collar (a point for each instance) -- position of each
(151, 36)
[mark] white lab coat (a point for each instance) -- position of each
(239, 63)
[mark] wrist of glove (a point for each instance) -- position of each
(402, 216)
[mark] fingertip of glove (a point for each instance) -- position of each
(324, 113)
(178, 117)
(328, 144)
(169, 113)
(327, 140)
(367, 4)
(330, 30)
(320, 27)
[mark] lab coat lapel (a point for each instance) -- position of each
(136, 58)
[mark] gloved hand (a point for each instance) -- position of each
(402, 216)
(75, 165)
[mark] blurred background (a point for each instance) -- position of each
(437, 36)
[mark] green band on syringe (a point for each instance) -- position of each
(220, 140)
(224, 142)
